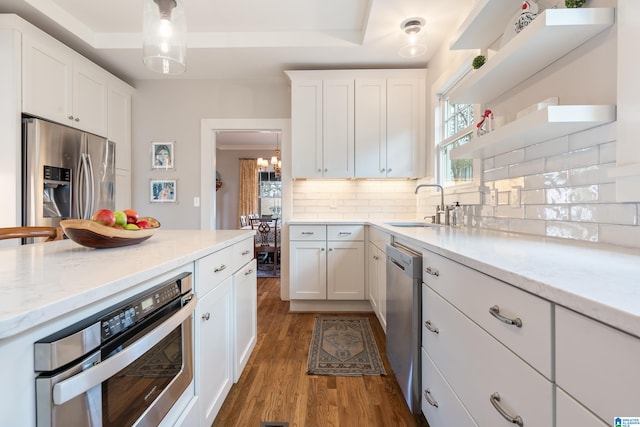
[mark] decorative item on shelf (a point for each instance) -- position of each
(276, 162)
(527, 15)
(218, 181)
(164, 30)
(485, 125)
(574, 3)
(415, 45)
(478, 61)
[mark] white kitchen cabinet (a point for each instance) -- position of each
(119, 121)
(377, 273)
(388, 130)
(597, 365)
(480, 369)
(322, 128)
(357, 123)
(327, 262)
(123, 189)
(439, 403)
(493, 305)
(245, 319)
(214, 364)
(62, 86)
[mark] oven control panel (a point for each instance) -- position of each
(120, 320)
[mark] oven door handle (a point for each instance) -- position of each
(87, 379)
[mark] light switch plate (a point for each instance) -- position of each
(196, 202)
(493, 197)
(514, 197)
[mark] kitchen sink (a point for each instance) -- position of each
(411, 224)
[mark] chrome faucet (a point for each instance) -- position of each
(440, 210)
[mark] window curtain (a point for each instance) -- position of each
(248, 197)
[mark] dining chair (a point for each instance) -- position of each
(51, 233)
(266, 241)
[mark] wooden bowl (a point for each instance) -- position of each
(94, 235)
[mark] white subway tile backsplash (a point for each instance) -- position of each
(532, 197)
(607, 153)
(526, 168)
(497, 173)
(527, 226)
(547, 213)
(509, 158)
(622, 235)
(572, 194)
(573, 230)
(542, 180)
(548, 148)
(622, 213)
(573, 159)
(594, 136)
(597, 174)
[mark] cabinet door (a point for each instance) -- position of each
(404, 136)
(214, 376)
(245, 303)
(373, 278)
(382, 289)
(46, 80)
(371, 128)
(345, 270)
(308, 270)
(119, 122)
(89, 97)
(337, 128)
(306, 129)
(570, 413)
(123, 189)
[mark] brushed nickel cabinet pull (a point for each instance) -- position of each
(307, 233)
(206, 316)
(495, 312)
(246, 253)
(344, 233)
(430, 400)
(219, 269)
(248, 272)
(495, 401)
(430, 327)
(432, 271)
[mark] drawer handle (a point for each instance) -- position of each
(219, 269)
(430, 327)
(430, 400)
(432, 271)
(495, 401)
(344, 233)
(248, 272)
(245, 253)
(307, 233)
(206, 316)
(495, 312)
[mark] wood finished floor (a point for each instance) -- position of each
(275, 387)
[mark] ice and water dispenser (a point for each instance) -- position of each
(56, 200)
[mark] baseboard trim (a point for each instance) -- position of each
(304, 306)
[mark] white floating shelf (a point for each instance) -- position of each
(551, 35)
(485, 24)
(542, 125)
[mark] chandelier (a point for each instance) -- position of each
(276, 163)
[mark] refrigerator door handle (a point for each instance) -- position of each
(77, 189)
(91, 188)
(84, 199)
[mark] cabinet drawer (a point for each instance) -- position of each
(308, 232)
(212, 269)
(570, 413)
(345, 232)
(440, 405)
(476, 366)
(242, 253)
(597, 365)
(379, 238)
(476, 295)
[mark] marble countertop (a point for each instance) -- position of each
(597, 280)
(42, 281)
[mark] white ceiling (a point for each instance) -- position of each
(249, 39)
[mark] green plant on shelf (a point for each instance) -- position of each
(574, 3)
(478, 61)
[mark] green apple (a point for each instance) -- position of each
(131, 227)
(121, 218)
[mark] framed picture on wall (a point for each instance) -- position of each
(162, 155)
(163, 191)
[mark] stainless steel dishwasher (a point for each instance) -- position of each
(404, 305)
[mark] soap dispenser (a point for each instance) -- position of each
(457, 217)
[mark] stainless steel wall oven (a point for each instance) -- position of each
(125, 366)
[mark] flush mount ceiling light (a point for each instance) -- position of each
(164, 29)
(415, 45)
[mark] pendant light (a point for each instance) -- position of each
(164, 29)
(415, 45)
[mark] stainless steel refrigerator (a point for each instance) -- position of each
(67, 173)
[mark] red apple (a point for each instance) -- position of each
(132, 216)
(104, 217)
(143, 224)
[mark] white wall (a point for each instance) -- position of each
(172, 110)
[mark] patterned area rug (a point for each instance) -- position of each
(343, 346)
